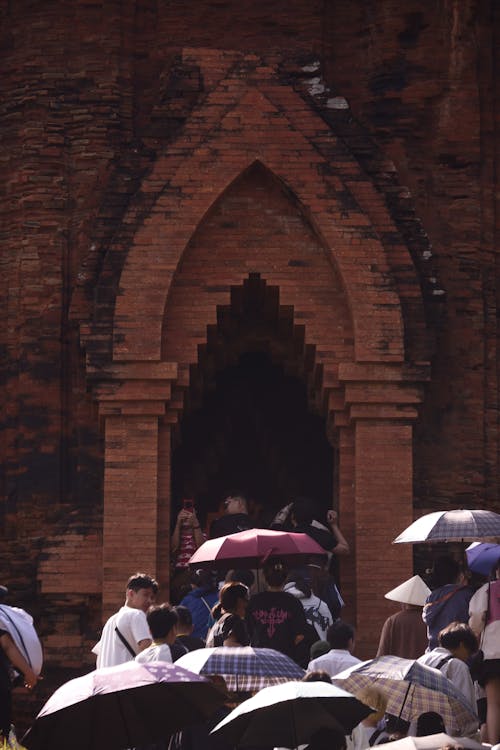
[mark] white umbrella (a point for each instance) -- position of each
(453, 526)
(432, 742)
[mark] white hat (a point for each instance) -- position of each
(412, 591)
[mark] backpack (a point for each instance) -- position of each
(19, 625)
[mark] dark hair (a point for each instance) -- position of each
(275, 572)
(184, 616)
(241, 576)
(339, 634)
(139, 581)
(161, 619)
(204, 579)
(456, 633)
(316, 675)
(430, 722)
(445, 570)
(303, 510)
(396, 724)
(230, 593)
(299, 579)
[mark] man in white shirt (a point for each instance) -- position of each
(340, 636)
(457, 643)
(126, 633)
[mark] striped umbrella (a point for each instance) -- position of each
(411, 689)
(244, 668)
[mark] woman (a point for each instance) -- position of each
(275, 618)
(484, 619)
(230, 628)
(315, 609)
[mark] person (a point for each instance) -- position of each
(317, 675)
(275, 618)
(404, 633)
(318, 649)
(19, 624)
(366, 732)
(126, 633)
(162, 622)
(448, 601)
(428, 723)
(230, 628)
(457, 643)
(323, 577)
(317, 613)
(185, 540)
(340, 636)
(10, 655)
(185, 640)
(484, 619)
(235, 517)
(201, 600)
(242, 575)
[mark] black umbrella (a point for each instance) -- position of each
(123, 706)
(289, 714)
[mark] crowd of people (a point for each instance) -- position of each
(298, 612)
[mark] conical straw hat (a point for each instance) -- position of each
(412, 591)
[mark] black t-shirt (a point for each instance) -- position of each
(228, 624)
(230, 524)
(274, 620)
(324, 538)
(183, 644)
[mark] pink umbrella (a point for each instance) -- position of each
(250, 549)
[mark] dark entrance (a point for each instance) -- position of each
(252, 431)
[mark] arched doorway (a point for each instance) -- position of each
(254, 431)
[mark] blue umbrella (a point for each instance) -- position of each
(482, 556)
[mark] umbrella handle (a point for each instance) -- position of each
(404, 700)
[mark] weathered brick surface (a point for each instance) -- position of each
(181, 181)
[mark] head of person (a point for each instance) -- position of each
(430, 722)
(235, 503)
(341, 635)
(298, 578)
(444, 571)
(302, 511)
(234, 598)
(459, 639)
(319, 648)
(204, 579)
(184, 620)
(241, 576)
(396, 727)
(316, 675)
(162, 621)
(141, 591)
(275, 572)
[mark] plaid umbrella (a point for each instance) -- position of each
(122, 706)
(244, 668)
(481, 557)
(453, 526)
(411, 689)
(432, 742)
(290, 714)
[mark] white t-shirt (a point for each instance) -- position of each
(157, 652)
(335, 661)
(133, 626)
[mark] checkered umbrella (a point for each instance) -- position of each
(453, 526)
(244, 668)
(411, 689)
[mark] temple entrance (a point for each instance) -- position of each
(253, 432)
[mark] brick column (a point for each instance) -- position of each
(376, 486)
(130, 503)
(133, 399)
(383, 508)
